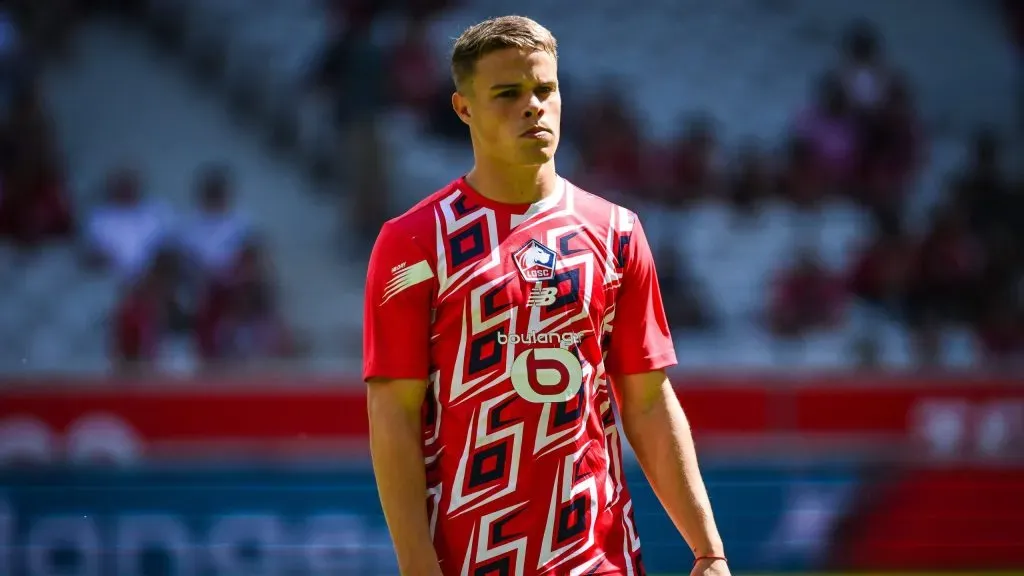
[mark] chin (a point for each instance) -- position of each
(537, 156)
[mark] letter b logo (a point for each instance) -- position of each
(547, 375)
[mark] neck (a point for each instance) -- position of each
(513, 184)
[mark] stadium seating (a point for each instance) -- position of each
(694, 56)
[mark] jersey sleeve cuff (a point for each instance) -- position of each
(650, 363)
(395, 374)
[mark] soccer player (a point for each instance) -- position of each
(502, 313)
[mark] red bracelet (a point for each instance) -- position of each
(712, 558)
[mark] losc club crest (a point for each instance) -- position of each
(536, 262)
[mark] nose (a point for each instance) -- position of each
(534, 108)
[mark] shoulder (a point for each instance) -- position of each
(417, 225)
(602, 213)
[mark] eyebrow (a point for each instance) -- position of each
(499, 87)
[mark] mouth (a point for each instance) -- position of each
(535, 131)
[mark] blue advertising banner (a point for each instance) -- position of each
(772, 517)
(256, 521)
(253, 522)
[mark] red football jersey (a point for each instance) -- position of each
(515, 314)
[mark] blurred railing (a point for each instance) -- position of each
(872, 416)
(205, 475)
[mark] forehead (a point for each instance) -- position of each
(515, 66)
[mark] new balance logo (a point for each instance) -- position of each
(541, 296)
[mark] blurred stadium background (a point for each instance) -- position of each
(190, 189)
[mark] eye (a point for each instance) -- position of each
(508, 94)
(545, 90)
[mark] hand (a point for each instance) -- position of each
(710, 568)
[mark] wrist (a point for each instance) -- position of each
(714, 548)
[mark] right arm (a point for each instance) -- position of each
(396, 448)
(396, 363)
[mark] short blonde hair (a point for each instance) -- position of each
(496, 34)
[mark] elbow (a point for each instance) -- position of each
(657, 410)
(394, 404)
(380, 408)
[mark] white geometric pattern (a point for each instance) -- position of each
(447, 224)
(473, 325)
(484, 554)
(563, 493)
(479, 437)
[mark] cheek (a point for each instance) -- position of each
(554, 106)
(492, 124)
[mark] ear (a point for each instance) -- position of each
(461, 106)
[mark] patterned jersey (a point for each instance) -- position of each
(516, 314)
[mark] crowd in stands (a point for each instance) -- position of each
(202, 277)
(860, 138)
(205, 276)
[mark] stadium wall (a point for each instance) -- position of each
(218, 477)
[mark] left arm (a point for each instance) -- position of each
(639, 350)
(659, 433)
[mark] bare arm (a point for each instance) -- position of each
(397, 453)
(659, 433)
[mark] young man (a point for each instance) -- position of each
(501, 314)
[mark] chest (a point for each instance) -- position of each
(530, 283)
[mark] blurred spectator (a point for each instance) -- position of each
(239, 319)
(864, 74)
(125, 232)
(149, 315)
(27, 131)
(802, 181)
(696, 164)
(442, 122)
(1002, 273)
(352, 72)
(807, 298)
(752, 184)
(250, 265)
(928, 328)
(880, 275)
(16, 69)
(422, 10)
(1001, 332)
(984, 193)
(1001, 291)
(250, 327)
(685, 302)
(33, 201)
(611, 145)
(892, 149)
(414, 70)
(367, 180)
(867, 352)
(948, 266)
(49, 25)
(213, 235)
(831, 129)
(354, 15)
(362, 14)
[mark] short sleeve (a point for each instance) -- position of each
(640, 339)
(397, 308)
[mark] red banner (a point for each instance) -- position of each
(950, 519)
(64, 418)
